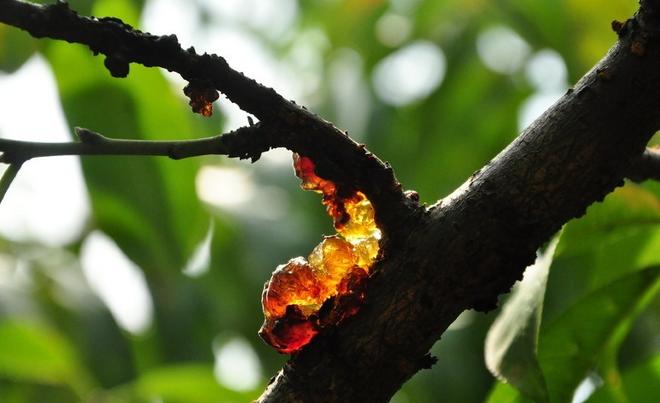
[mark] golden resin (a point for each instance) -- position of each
(333, 276)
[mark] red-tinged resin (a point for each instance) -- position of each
(293, 283)
(305, 170)
(289, 333)
(201, 98)
(304, 296)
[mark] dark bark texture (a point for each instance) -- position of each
(436, 262)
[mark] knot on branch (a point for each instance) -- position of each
(53, 13)
(61, 8)
(88, 136)
(117, 65)
(647, 20)
(167, 43)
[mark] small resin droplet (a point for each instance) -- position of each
(201, 98)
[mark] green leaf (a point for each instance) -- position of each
(122, 9)
(511, 342)
(36, 353)
(16, 47)
(639, 382)
(190, 383)
(579, 339)
(625, 212)
(505, 393)
(616, 237)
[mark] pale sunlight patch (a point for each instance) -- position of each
(502, 50)
(409, 74)
(117, 281)
(47, 202)
(272, 18)
(535, 105)
(224, 186)
(237, 366)
(347, 82)
(586, 388)
(393, 29)
(546, 70)
(200, 260)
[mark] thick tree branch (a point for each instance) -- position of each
(646, 167)
(473, 245)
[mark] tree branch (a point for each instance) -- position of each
(337, 157)
(245, 142)
(461, 253)
(122, 45)
(473, 245)
(7, 178)
(646, 166)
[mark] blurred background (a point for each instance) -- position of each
(129, 279)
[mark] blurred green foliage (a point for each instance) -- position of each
(600, 316)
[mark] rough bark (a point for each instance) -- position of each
(460, 253)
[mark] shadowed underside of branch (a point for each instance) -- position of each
(462, 252)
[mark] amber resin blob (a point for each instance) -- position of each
(305, 295)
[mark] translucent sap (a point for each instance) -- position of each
(333, 276)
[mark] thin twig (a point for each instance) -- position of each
(8, 177)
(246, 142)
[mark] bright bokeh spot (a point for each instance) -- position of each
(546, 71)
(404, 5)
(272, 18)
(166, 17)
(233, 189)
(393, 29)
(535, 105)
(117, 281)
(305, 60)
(237, 366)
(409, 74)
(221, 186)
(586, 388)
(200, 260)
(347, 81)
(502, 50)
(47, 202)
